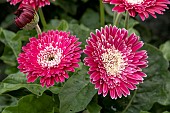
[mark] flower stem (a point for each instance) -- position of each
(116, 21)
(38, 29)
(102, 15)
(42, 18)
(114, 16)
(126, 20)
(130, 102)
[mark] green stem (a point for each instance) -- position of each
(130, 102)
(102, 15)
(114, 16)
(42, 18)
(126, 20)
(38, 29)
(116, 21)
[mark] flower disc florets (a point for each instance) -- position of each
(50, 57)
(115, 61)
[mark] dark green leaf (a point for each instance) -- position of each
(108, 9)
(81, 32)
(9, 39)
(166, 112)
(93, 108)
(76, 93)
(67, 5)
(18, 80)
(32, 104)
(2, 1)
(8, 57)
(8, 21)
(156, 87)
(7, 100)
(24, 35)
(90, 19)
(63, 25)
(165, 48)
(144, 112)
(132, 30)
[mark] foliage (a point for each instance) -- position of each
(77, 94)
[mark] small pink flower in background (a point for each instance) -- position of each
(50, 57)
(115, 61)
(34, 3)
(143, 8)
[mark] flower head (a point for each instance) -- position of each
(34, 3)
(27, 18)
(50, 57)
(143, 8)
(115, 61)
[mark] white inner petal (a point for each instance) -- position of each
(135, 1)
(113, 62)
(50, 56)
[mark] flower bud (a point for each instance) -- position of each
(26, 17)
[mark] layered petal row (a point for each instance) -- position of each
(143, 8)
(50, 57)
(115, 61)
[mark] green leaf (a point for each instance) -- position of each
(8, 57)
(67, 5)
(165, 48)
(144, 112)
(63, 25)
(81, 32)
(52, 25)
(90, 19)
(157, 63)
(18, 80)
(24, 35)
(132, 30)
(9, 39)
(2, 1)
(156, 87)
(76, 93)
(93, 108)
(166, 112)
(8, 20)
(7, 100)
(108, 9)
(32, 104)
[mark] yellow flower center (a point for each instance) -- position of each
(113, 62)
(50, 56)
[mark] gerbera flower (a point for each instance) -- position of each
(143, 8)
(50, 57)
(34, 3)
(115, 62)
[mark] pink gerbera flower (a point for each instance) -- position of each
(34, 3)
(115, 62)
(143, 8)
(50, 57)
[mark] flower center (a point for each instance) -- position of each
(113, 62)
(50, 56)
(134, 1)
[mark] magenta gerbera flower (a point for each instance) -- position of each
(50, 57)
(34, 3)
(115, 61)
(143, 8)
